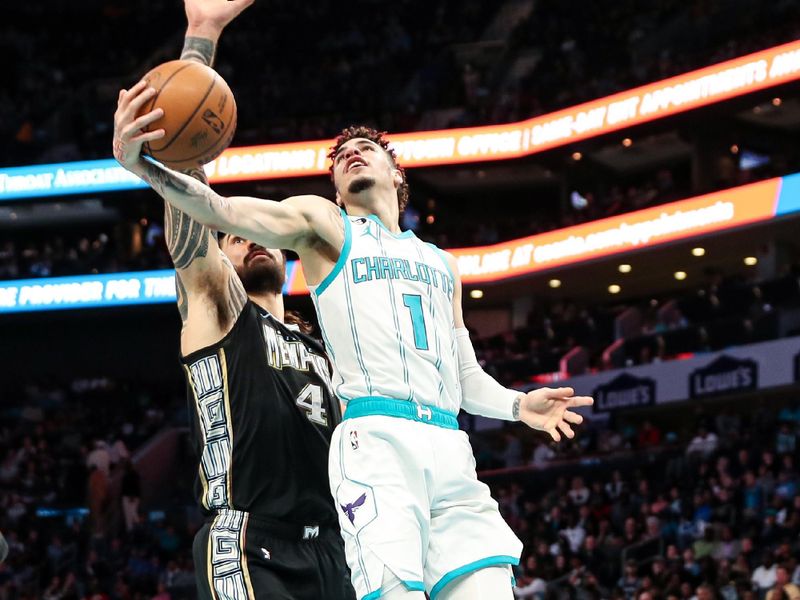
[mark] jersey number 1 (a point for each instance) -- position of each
(413, 302)
(310, 398)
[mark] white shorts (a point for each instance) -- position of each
(409, 500)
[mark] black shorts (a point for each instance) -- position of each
(240, 557)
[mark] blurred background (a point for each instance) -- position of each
(643, 248)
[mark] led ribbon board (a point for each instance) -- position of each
(695, 89)
(684, 219)
(641, 229)
(61, 179)
(93, 291)
(650, 102)
(87, 291)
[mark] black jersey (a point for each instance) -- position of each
(263, 415)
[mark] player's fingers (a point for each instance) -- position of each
(572, 417)
(581, 401)
(129, 95)
(141, 98)
(564, 426)
(148, 118)
(561, 393)
(137, 125)
(554, 434)
(149, 136)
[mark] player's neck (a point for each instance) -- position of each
(388, 213)
(272, 303)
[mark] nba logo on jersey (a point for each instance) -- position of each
(354, 440)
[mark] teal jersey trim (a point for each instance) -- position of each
(490, 561)
(443, 256)
(343, 255)
(414, 586)
(411, 586)
(402, 235)
(368, 406)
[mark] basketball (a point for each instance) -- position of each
(199, 114)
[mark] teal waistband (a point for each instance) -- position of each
(404, 409)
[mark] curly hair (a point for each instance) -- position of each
(373, 135)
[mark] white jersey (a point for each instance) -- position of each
(386, 314)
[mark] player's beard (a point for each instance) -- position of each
(360, 184)
(265, 277)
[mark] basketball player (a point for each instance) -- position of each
(264, 413)
(413, 514)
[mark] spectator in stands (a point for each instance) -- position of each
(130, 492)
(98, 498)
(705, 592)
(542, 454)
(703, 444)
(786, 441)
(100, 458)
(629, 582)
(579, 494)
(616, 486)
(530, 585)
(649, 435)
(765, 575)
(783, 589)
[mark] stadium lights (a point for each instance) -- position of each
(750, 261)
(577, 156)
(698, 251)
(734, 149)
(554, 283)
(680, 275)
(623, 268)
(476, 294)
(627, 142)
(776, 102)
(614, 289)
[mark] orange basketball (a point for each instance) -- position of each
(199, 114)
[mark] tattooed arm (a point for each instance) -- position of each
(207, 284)
(291, 224)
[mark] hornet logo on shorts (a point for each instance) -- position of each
(350, 509)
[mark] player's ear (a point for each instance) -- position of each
(397, 177)
(339, 202)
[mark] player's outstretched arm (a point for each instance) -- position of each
(546, 409)
(207, 18)
(205, 280)
(288, 224)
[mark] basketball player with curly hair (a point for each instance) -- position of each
(413, 515)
